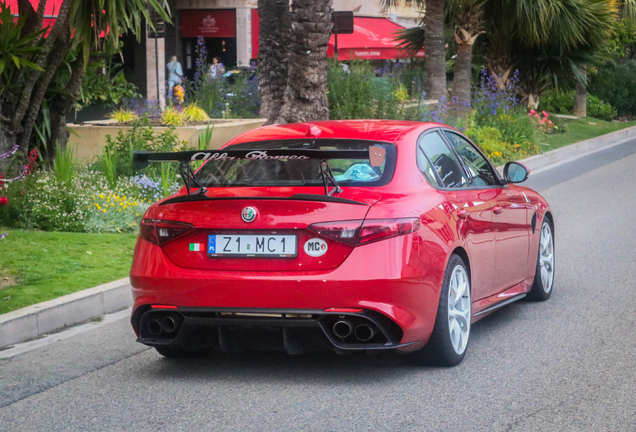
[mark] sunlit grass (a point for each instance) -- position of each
(46, 265)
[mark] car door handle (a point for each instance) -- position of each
(462, 213)
(497, 210)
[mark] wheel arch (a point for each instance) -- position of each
(461, 252)
(550, 218)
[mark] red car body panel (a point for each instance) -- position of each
(400, 277)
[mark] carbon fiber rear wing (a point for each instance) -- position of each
(375, 154)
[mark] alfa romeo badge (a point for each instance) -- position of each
(248, 214)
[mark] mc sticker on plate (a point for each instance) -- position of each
(315, 247)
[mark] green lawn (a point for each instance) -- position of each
(581, 130)
(39, 266)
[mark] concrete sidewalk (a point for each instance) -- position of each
(43, 318)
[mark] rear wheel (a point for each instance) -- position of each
(546, 260)
(448, 343)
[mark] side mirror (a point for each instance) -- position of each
(514, 172)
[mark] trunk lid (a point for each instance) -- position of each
(276, 216)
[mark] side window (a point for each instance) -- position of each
(426, 168)
(480, 169)
(445, 164)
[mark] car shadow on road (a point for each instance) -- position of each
(326, 368)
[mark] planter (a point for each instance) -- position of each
(88, 139)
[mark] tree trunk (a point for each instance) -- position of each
(61, 105)
(463, 76)
(305, 97)
(274, 39)
(54, 61)
(580, 99)
(435, 50)
(7, 141)
(60, 26)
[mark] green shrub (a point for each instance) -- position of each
(563, 103)
(64, 166)
(616, 85)
(516, 129)
(491, 142)
(140, 136)
(358, 94)
(89, 204)
(598, 109)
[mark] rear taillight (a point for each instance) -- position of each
(343, 231)
(356, 232)
(375, 230)
(161, 232)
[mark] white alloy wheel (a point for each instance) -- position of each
(546, 257)
(459, 309)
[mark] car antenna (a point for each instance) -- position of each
(327, 176)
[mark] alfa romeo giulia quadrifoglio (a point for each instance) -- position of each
(339, 235)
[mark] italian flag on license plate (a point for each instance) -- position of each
(196, 247)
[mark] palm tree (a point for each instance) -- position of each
(274, 38)
(27, 86)
(547, 40)
(627, 10)
(430, 36)
(466, 17)
(305, 97)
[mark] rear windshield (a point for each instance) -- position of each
(298, 172)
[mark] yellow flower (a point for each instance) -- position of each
(104, 210)
(101, 196)
(119, 210)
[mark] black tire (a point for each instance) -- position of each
(178, 352)
(439, 350)
(538, 292)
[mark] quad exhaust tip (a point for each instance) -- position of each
(166, 325)
(154, 327)
(364, 332)
(169, 324)
(342, 329)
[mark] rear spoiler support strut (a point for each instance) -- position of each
(187, 174)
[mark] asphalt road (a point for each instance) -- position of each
(568, 364)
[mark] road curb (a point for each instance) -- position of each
(43, 318)
(571, 152)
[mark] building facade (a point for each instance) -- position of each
(229, 29)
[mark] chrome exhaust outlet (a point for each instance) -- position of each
(169, 324)
(154, 327)
(364, 332)
(342, 329)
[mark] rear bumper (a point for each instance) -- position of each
(387, 278)
(291, 331)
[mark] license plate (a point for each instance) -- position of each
(248, 246)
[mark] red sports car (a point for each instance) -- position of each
(338, 235)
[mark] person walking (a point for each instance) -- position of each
(175, 72)
(216, 69)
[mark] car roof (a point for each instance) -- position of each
(372, 130)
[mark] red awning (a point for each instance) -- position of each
(372, 39)
(51, 11)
